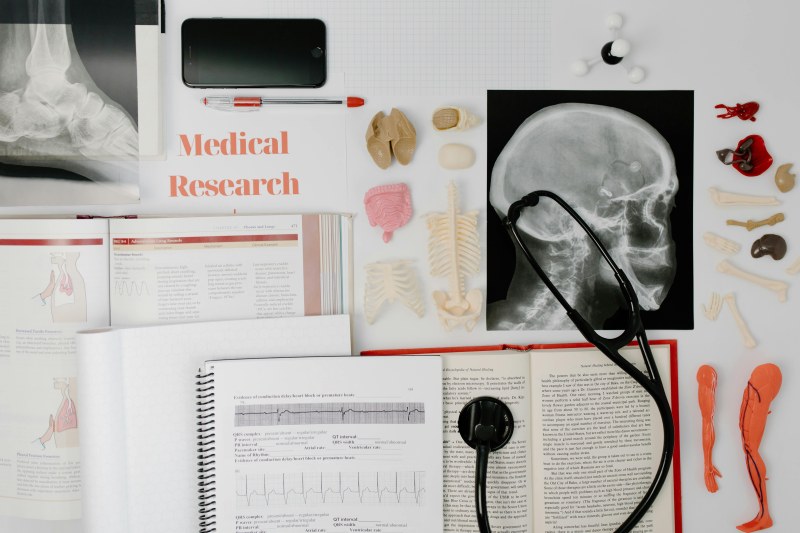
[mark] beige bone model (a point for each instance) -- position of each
(390, 281)
(780, 288)
(795, 268)
(753, 224)
(714, 307)
(721, 244)
(731, 198)
(454, 252)
(747, 337)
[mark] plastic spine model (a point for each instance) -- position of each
(205, 452)
(454, 252)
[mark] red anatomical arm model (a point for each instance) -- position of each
(764, 384)
(706, 389)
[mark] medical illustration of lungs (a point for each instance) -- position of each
(62, 427)
(619, 174)
(65, 291)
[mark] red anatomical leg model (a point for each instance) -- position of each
(764, 384)
(706, 389)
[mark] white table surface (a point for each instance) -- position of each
(730, 51)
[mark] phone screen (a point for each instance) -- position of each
(253, 52)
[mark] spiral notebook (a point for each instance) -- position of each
(320, 444)
(137, 414)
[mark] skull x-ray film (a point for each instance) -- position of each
(70, 98)
(623, 160)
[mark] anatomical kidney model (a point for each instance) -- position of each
(455, 253)
(763, 386)
(706, 390)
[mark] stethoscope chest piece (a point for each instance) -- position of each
(486, 425)
(486, 421)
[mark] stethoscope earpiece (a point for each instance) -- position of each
(486, 425)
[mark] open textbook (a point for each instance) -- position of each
(61, 276)
(586, 441)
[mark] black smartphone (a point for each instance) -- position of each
(222, 52)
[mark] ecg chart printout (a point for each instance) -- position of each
(332, 444)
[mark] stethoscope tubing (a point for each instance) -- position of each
(650, 381)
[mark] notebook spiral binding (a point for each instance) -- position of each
(205, 452)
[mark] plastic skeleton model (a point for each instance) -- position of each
(750, 157)
(731, 198)
(747, 337)
(389, 282)
(706, 389)
(453, 119)
(388, 206)
(721, 244)
(780, 288)
(784, 179)
(794, 268)
(714, 307)
(454, 252)
(753, 224)
(391, 135)
(744, 111)
(611, 53)
(763, 386)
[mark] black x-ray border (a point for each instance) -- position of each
(669, 112)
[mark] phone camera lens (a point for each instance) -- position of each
(317, 52)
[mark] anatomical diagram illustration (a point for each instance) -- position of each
(762, 388)
(62, 427)
(65, 291)
(52, 114)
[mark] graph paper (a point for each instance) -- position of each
(431, 47)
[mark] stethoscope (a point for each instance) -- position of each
(486, 423)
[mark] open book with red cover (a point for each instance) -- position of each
(586, 442)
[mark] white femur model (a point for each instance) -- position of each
(455, 253)
(619, 174)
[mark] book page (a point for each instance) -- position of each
(142, 471)
(504, 376)
(53, 282)
(219, 268)
(596, 442)
(335, 444)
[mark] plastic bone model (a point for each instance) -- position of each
(763, 386)
(389, 282)
(611, 53)
(706, 389)
(388, 206)
(454, 253)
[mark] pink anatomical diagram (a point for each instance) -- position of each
(63, 426)
(762, 388)
(706, 390)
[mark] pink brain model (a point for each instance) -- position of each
(388, 206)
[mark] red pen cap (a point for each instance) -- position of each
(354, 101)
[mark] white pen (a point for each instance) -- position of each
(253, 103)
